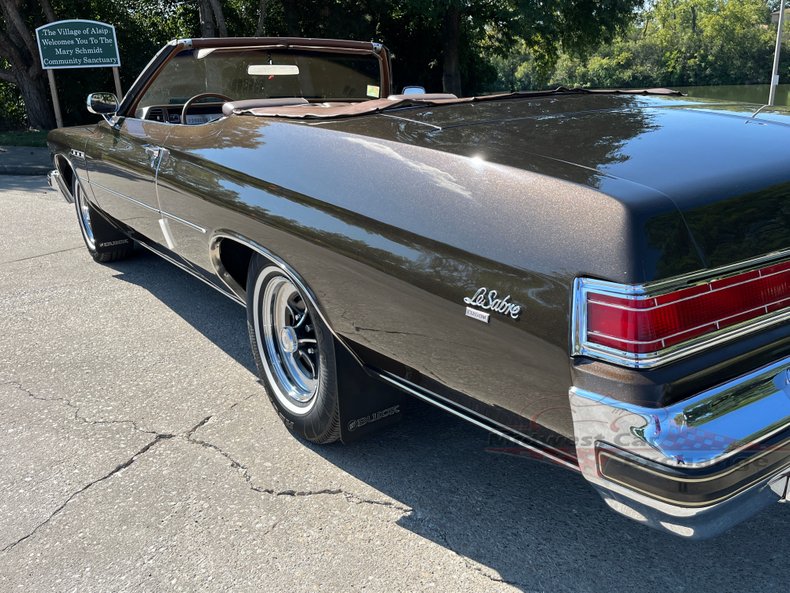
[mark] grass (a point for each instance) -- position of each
(23, 138)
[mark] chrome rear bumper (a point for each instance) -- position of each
(694, 468)
(56, 182)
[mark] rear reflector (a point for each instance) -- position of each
(630, 323)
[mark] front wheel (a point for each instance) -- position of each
(294, 353)
(105, 243)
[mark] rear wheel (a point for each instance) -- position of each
(294, 353)
(105, 243)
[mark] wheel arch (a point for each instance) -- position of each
(67, 172)
(230, 254)
(366, 403)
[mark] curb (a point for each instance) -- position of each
(24, 169)
(25, 160)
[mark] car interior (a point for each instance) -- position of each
(200, 86)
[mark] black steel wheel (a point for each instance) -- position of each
(293, 351)
(105, 243)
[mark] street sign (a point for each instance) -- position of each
(77, 44)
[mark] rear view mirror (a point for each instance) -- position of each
(272, 70)
(102, 103)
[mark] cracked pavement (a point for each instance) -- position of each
(139, 453)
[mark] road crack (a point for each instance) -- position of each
(77, 416)
(247, 475)
(13, 261)
(158, 438)
(120, 467)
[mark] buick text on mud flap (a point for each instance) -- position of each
(374, 417)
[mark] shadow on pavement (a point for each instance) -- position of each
(33, 183)
(538, 526)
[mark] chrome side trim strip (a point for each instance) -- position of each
(125, 197)
(191, 225)
(164, 256)
(178, 219)
(469, 416)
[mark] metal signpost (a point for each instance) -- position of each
(775, 71)
(77, 44)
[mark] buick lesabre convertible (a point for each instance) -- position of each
(600, 277)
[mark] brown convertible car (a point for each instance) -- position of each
(600, 277)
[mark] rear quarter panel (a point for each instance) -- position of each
(392, 237)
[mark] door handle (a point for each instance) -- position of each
(156, 155)
(153, 153)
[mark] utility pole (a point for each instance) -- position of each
(775, 71)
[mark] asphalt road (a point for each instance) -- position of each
(138, 453)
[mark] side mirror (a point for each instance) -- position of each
(102, 103)
(413, 90)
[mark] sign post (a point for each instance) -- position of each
(55, 102)
(77, 44)
(775, 69)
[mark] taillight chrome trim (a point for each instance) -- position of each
(580, 346)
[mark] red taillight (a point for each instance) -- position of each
(637, 325)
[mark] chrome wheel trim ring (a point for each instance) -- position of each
(280, 313)
(84, 216)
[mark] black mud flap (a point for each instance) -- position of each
(108, 236)
(366, 403)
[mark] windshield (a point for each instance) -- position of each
(266, 73)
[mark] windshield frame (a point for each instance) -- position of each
(155, 67)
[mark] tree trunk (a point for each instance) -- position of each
(260, 30)
(35, 94)
(18, 48)
(451, 41)
(207, 28)
(18, 26)
(49, 14)
(219, 18)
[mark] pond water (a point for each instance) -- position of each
(748, 93)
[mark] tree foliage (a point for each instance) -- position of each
(672, 43)
(440, 44)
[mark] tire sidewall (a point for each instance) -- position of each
(319, 420)
(79, 199)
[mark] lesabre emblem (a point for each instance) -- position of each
(490, 300)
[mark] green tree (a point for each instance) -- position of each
(671, 43)
(493, 27)
(441, 44)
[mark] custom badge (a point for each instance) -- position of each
(490, 301)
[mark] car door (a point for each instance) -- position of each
(122, 166)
